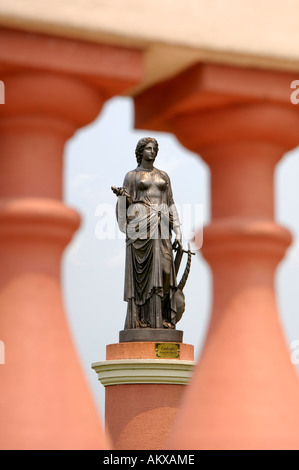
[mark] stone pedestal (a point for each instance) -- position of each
(144, 384)
(151, 334)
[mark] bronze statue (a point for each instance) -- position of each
(147, 214)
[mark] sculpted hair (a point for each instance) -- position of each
(142, 144)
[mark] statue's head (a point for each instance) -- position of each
(141, 146)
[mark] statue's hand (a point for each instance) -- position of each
(117, 191)
(120, 191)
(178, 236)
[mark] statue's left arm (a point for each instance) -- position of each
(173, 213)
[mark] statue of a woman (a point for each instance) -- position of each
(147, 214)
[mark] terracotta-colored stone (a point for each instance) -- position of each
(245, 391)
(143, 350)
(53, 86)
(141, 415)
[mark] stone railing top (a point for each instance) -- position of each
(174, 33)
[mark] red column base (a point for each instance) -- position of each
(144, 384)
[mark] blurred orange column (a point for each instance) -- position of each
(245, 390)
(53, 86)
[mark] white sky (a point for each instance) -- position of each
(98, 157)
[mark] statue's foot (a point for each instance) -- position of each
(167, 324)
(143, 324)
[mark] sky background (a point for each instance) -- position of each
(98, 157)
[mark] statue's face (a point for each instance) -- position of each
(149, 152)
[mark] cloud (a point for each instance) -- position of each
(73, 253)
(117, 261)
(82, 179)
(169, 165)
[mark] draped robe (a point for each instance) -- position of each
(148, 224)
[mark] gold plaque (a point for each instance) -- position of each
(168, 350)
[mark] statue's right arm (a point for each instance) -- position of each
(128, 186)
(124, 194)
(120, 191)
